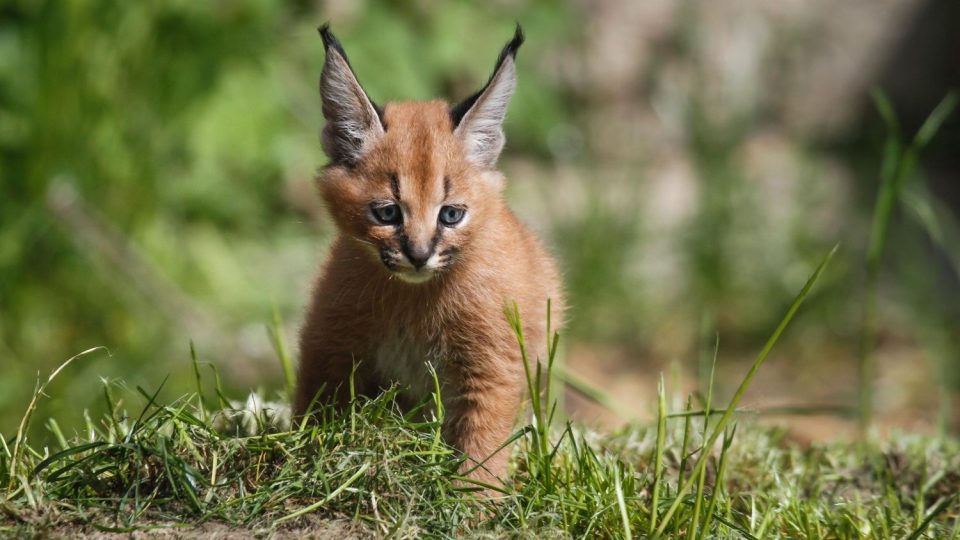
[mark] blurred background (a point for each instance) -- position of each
(689, 162)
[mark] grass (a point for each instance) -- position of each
(898, 167)
(189, 469)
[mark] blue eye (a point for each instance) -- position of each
(387, 214)
(451, 215)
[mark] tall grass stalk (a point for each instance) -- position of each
(275, 331)
(685, 443)
(543, 409)
(943, 229)
(692, 528)
(658, 453)
(898, 166)
(20, 440)
(621, 503)
(741, 390)
(718, 483)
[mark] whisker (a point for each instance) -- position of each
(361, 240)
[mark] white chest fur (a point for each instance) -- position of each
(403, 360)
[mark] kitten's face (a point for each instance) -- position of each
(414, 202)
(413, 183)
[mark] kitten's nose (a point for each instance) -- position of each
(418, 254)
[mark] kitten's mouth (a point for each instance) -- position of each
(422, 275)
(404, 271)
(400, 267)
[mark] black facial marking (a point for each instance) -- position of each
(457, 112)
(436, 239)
(446, 187)
(395, 186)
(387, 259)
(445, 258)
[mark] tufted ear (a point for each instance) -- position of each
(478, 120)
(353, 119)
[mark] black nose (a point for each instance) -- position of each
(418, 255)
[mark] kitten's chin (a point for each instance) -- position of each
(416, 277)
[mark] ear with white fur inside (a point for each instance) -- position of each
(353, 119)
(478, 120)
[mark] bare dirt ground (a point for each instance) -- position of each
(310, 527)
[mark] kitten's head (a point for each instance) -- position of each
(412, 182)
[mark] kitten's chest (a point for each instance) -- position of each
(406, 360)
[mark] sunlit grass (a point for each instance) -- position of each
(378, 470)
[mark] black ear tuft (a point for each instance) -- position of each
(330, 40)
(510, 49)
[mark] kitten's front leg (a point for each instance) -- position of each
(322, 380)
(481, 415)
(326, 366)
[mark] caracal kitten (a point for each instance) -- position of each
(426, 258)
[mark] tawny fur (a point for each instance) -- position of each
(362, 313)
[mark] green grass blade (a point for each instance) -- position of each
(622, 504)
(198, 379)
(658, 453)
(275, 331)
(319, 504)
(936, 510)
(744, 385)
(20, 440)
(932, 124)
(698, 501)
(897, 167)
(718, 483)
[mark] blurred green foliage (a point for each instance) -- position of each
(156, 161)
